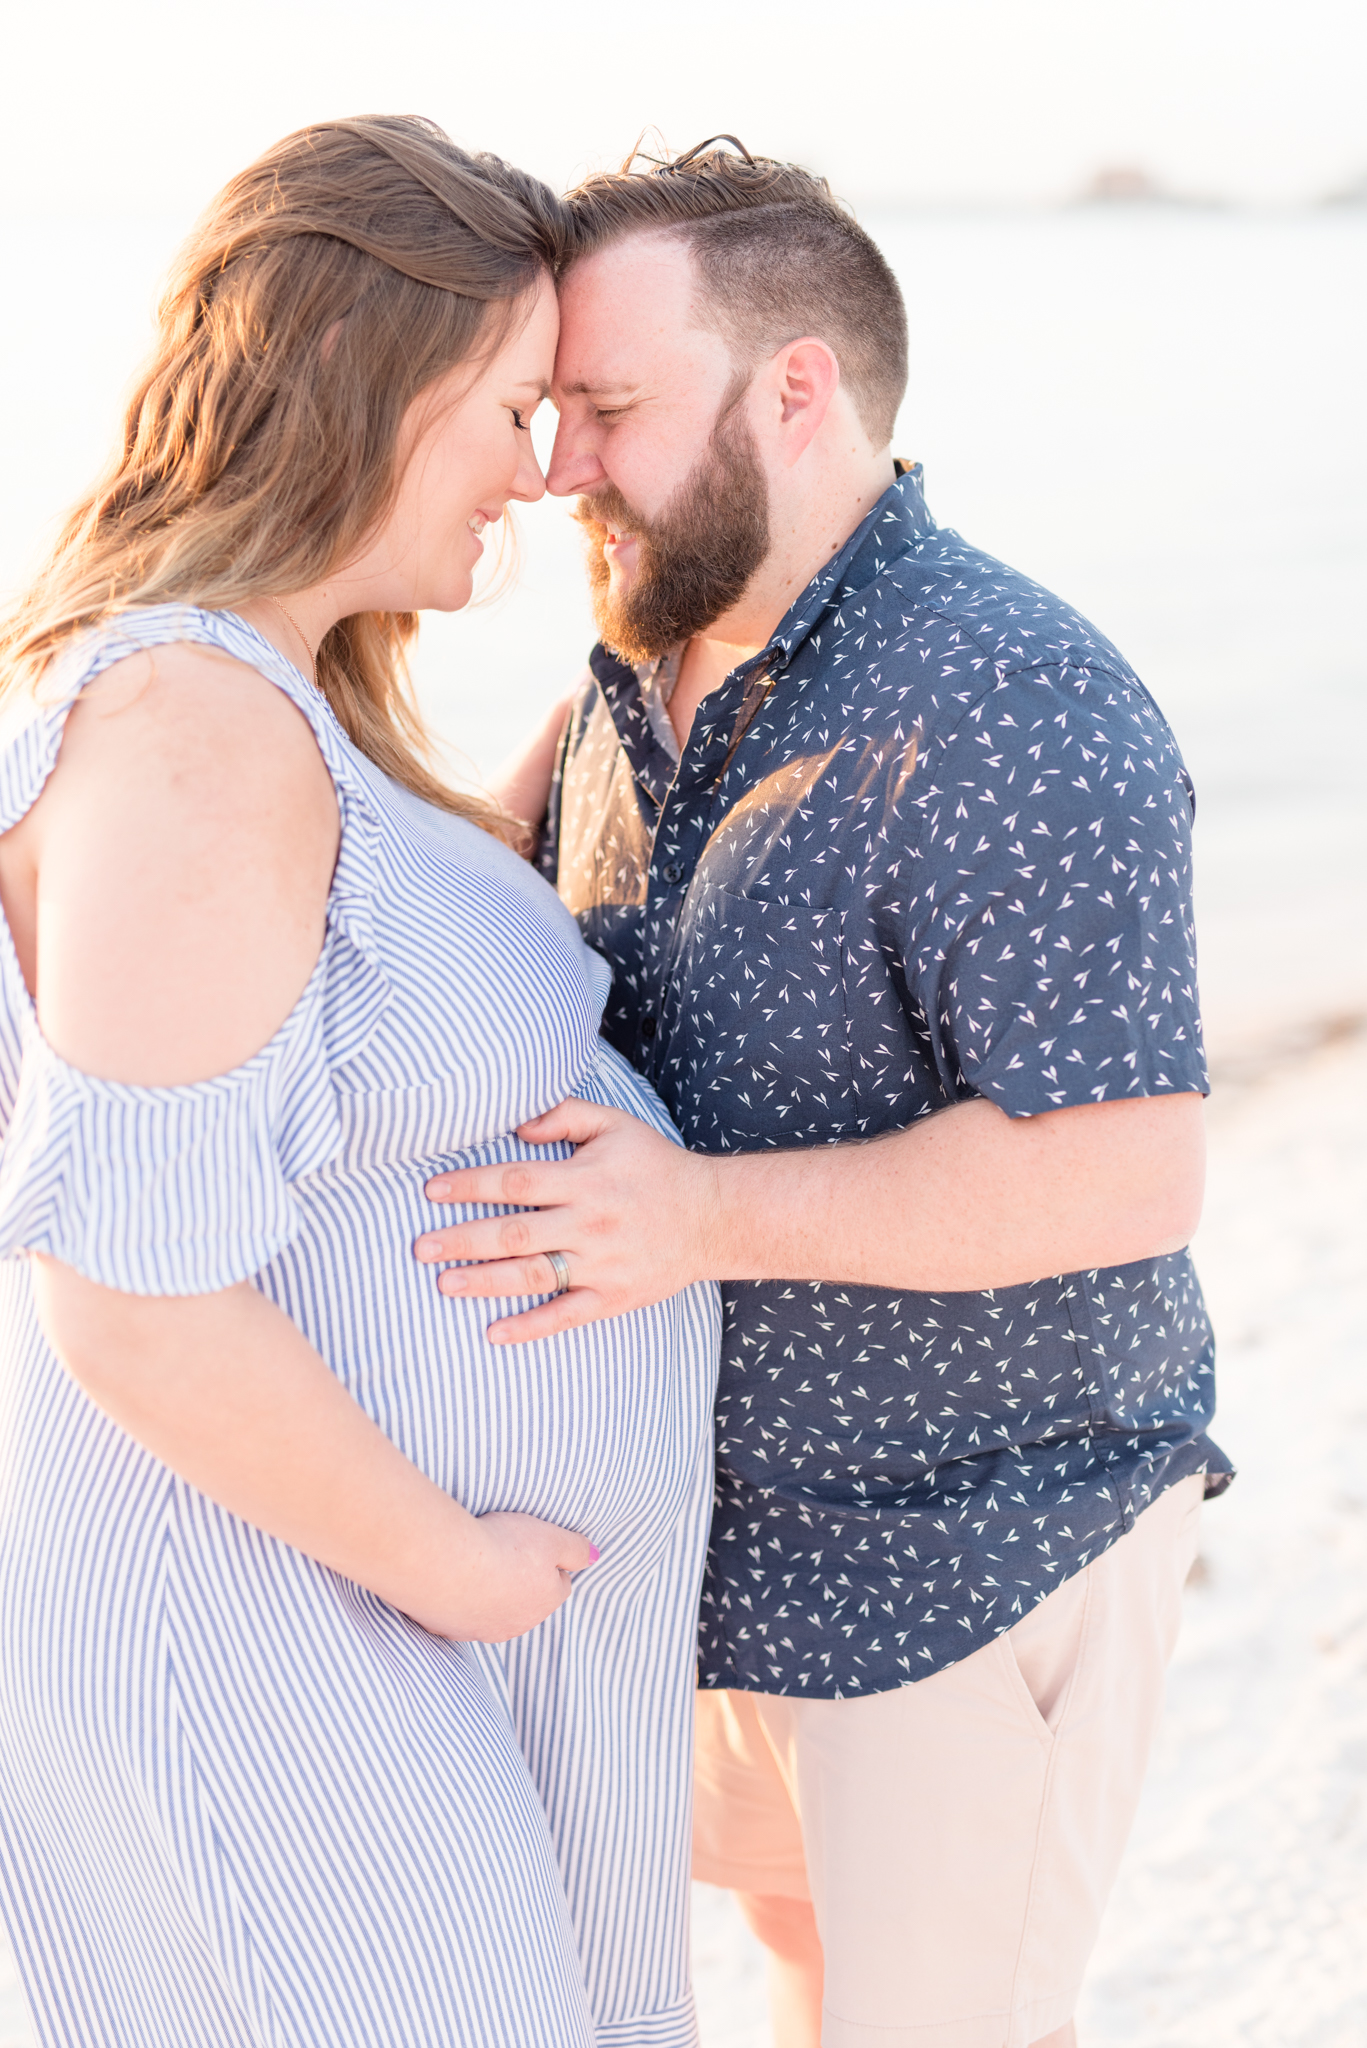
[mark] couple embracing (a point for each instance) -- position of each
(361, 1307)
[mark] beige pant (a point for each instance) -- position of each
(959, 1837)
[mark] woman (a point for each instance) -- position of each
(266, 1491)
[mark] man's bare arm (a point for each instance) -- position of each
(522, 786)
(966, 1199)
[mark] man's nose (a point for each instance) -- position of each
(573, 465)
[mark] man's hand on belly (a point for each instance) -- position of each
(961, 1201)
(633, 1216)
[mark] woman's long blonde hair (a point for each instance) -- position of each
(326, 287)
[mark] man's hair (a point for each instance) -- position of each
(776, 257)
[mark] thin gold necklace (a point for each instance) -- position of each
(313, 665)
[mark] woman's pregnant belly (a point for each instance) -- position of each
(599, 1428)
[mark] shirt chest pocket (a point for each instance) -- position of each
(769, 1024)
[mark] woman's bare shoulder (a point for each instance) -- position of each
(183, 851)
(193, 699)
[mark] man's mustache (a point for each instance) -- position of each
(607, 511)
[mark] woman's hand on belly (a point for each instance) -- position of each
(522, 1574)
(226, 1391)
(632, 1215)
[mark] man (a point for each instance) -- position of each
(890, 854)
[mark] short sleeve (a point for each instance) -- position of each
(168, 1191)
(1054, 958)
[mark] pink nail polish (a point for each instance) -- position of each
(594, 1553)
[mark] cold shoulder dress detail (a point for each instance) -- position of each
(243, 1802)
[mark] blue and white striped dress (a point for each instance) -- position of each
(243, 1802)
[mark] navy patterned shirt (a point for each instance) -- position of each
(933, 843)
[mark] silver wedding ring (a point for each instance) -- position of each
(560, 1265)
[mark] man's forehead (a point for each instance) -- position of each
(620, 309)
(659, 257)
(638, 281)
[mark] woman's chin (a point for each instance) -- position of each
(449, 597)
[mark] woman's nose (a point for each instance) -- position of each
(529, 484)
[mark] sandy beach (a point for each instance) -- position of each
(1240, 1917)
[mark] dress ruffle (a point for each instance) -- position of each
(185, 1190)
(169, 1190)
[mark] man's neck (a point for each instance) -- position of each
(808, 532)
(707, 662)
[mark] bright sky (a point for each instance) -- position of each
(148, 105)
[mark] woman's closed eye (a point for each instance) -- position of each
(518, 421)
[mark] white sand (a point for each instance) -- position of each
(1241, 1914)
(1240, 1918)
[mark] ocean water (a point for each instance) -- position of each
(1159, 412)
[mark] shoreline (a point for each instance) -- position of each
(1241, 1062)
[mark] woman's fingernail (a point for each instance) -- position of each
(594, 1553)
(451, 1283)
(438, 1190)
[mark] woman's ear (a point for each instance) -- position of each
(808, 379)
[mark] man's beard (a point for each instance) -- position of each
(693, 560)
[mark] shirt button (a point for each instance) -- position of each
(648, 1027)
(673, 873)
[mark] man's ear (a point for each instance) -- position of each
(808, 377)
